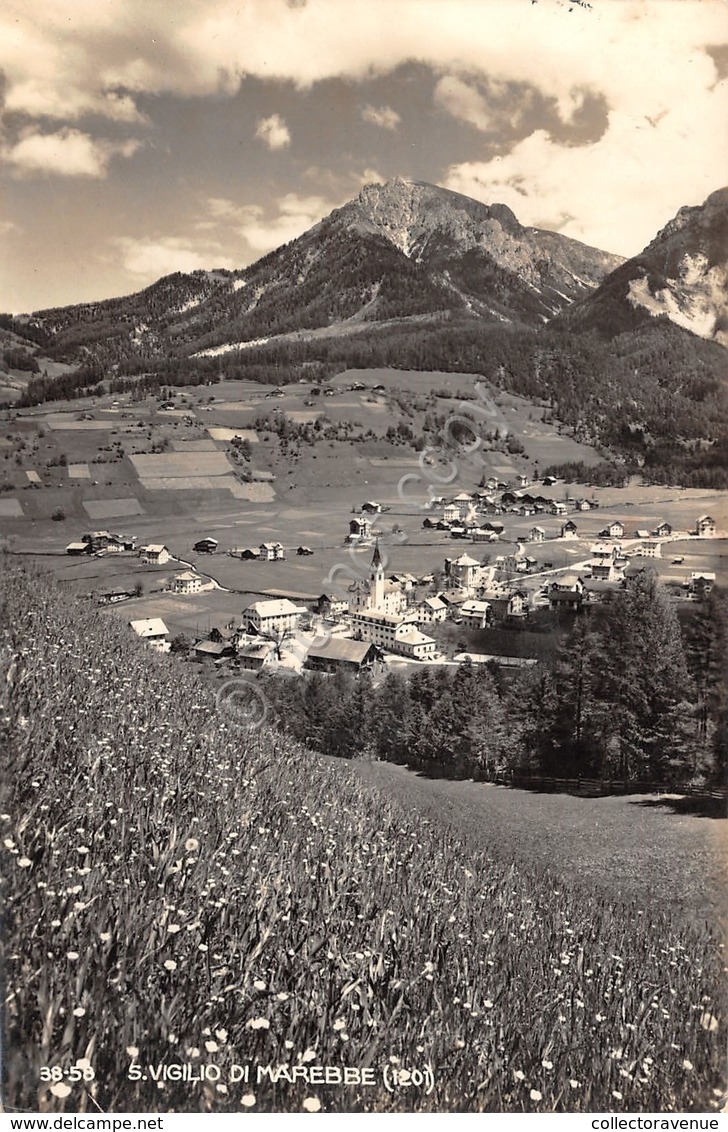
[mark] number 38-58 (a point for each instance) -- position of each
(75, 1073)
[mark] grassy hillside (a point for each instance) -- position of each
(182, 889)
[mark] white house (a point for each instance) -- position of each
(451, 513)
(558, 508)
(705, 527)
(463, 572)
(156, 554)
(271, 551)
(186, 583)
(569, 530)
(153, 632)
(536, 534)
(431, 610)
(279, 615)
(475, 614)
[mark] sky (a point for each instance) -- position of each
(142, 137)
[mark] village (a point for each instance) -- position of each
(372, 619)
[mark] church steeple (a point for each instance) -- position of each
(376, 575)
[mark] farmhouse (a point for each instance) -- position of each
(705, 527)
(701, 582)
(483, 534)
(213, 650)
(603, 569)
(78, 548)
(113, 597)
(341, 653)
(568, 583)
(278, 615)
(651, 548)
(96, 540)
(583, 505)
(153, 632)
(536, 534)
(271, 552)
(255, 656)
(186, 583)
(614, 530)
(569, 529)
(371, 507)
(304, 552)
(206, 545)
(662, 530)
(330, 606)
(156, 554)
(558, 508)
(360, 528)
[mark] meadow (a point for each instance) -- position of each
(184, 890)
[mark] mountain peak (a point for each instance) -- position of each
(681, 275)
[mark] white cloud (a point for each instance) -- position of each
(66, 153)
(151, 259)
(273, 131)
(464, 102)
(295, 215)
(64, 59)
(613, 193)
(383, 116)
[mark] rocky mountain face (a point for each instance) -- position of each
(467, 243)
(682, 275)
(399, 251)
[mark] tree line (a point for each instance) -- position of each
(635, 693)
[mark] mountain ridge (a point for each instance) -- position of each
(401, 249)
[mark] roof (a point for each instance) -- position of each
(207, 539)
(465, 560)
(473, 607)
(271, 545)
(187, 576)
(341, 648)
(568, 580)
(77, 546)
(378, 615)
(642, 533)
(376, 557)
(706, 519)
(149, 627)
(154, 548)
(434, 603)
(414, 637)
(261, 650)
(274, 608)
(211, 648)
(543, 532)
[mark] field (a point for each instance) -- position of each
(669, 859)
(184, 888)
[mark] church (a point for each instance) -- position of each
(376, 593)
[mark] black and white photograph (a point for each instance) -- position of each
(363, 560)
